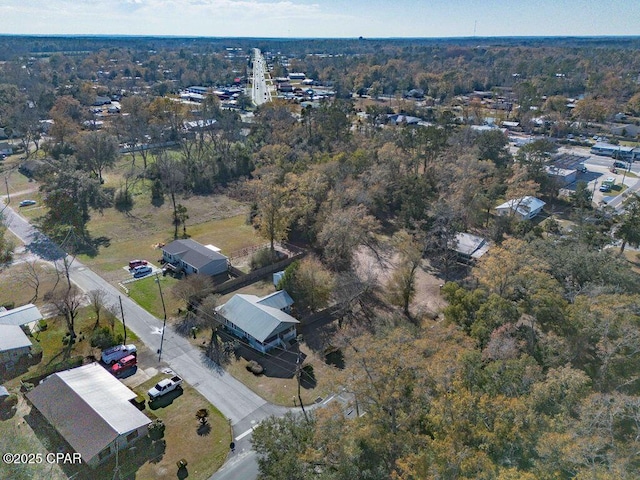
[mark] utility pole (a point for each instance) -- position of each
(298, 375)
(164, 323)
(123, 323)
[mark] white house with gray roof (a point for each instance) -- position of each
(193, 257)
(263, 322)
(24, 315)
(14, 345)
(92, 410)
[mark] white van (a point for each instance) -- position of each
(113, 354)
(142, 270)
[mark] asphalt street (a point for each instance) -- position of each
(240, 405)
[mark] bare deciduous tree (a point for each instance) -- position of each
(97, 298)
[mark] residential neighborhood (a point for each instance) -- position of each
(425, 248)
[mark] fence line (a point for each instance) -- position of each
(254, 276)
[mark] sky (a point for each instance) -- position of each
(322, 18)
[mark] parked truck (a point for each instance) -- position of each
(165, 386)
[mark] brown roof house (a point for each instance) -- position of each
(91, 409)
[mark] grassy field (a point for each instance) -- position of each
(17, 436)
(147, 294)
(204, 448)
(277, 388)
(13, 287)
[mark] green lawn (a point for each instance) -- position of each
(147, 294)
(56, 355)
(205, 449)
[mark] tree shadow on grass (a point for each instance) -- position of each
(204, 429)
(91, 246)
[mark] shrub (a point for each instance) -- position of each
(156, 429)
(103, 338)
(10, 402)
(263, 258)
(43, 325)
(255, 368)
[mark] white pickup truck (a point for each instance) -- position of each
(165, 386)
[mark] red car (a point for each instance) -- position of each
(124, 364)
(136, 263)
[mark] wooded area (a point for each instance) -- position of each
(531, 371)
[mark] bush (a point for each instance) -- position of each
(10, 402)
(156, 429)
(255, 368)
(139, 402)
(42, 325)
(103, 338)
(263, 258)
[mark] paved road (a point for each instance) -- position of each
(239, 404)
(260, 92)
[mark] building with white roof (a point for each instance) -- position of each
(524, 208)
(469, 247)
(91, 409)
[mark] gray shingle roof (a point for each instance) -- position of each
(88, 406)
(258, 320)
(193, 253)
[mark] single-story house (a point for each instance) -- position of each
(92, 411)
(6, 148)
(14, 344)
(469, 247)
(524, 208)
(193, 257)
(562, 176)
(263, 322)
(24, 315)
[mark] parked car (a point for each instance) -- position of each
(165, 386)
(136, 263)
(605, 188)
(113, 354)
(27, 203)
(124, 364)
(141, 271)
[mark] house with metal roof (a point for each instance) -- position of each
(524, 208)
(190, 256)
(92, 411)
(24, 315)
(263, 322)
(14, 344)
(469, 247)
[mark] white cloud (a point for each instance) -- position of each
(158, 17)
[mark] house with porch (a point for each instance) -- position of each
(264, 323)
(190, 256)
